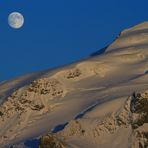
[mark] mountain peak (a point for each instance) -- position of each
(141, 26)
(136, 36)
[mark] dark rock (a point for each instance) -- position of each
(50, 141)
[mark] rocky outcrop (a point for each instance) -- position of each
(50, 141)
(30, 97)
(73, 73)
(46, 86)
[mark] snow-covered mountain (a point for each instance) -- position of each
(101, 101)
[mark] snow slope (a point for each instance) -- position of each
(34, 104)
(118, 123)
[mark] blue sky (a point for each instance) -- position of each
(58, 32)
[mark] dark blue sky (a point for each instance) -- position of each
(57, 32)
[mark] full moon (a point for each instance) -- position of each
(16, 20)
